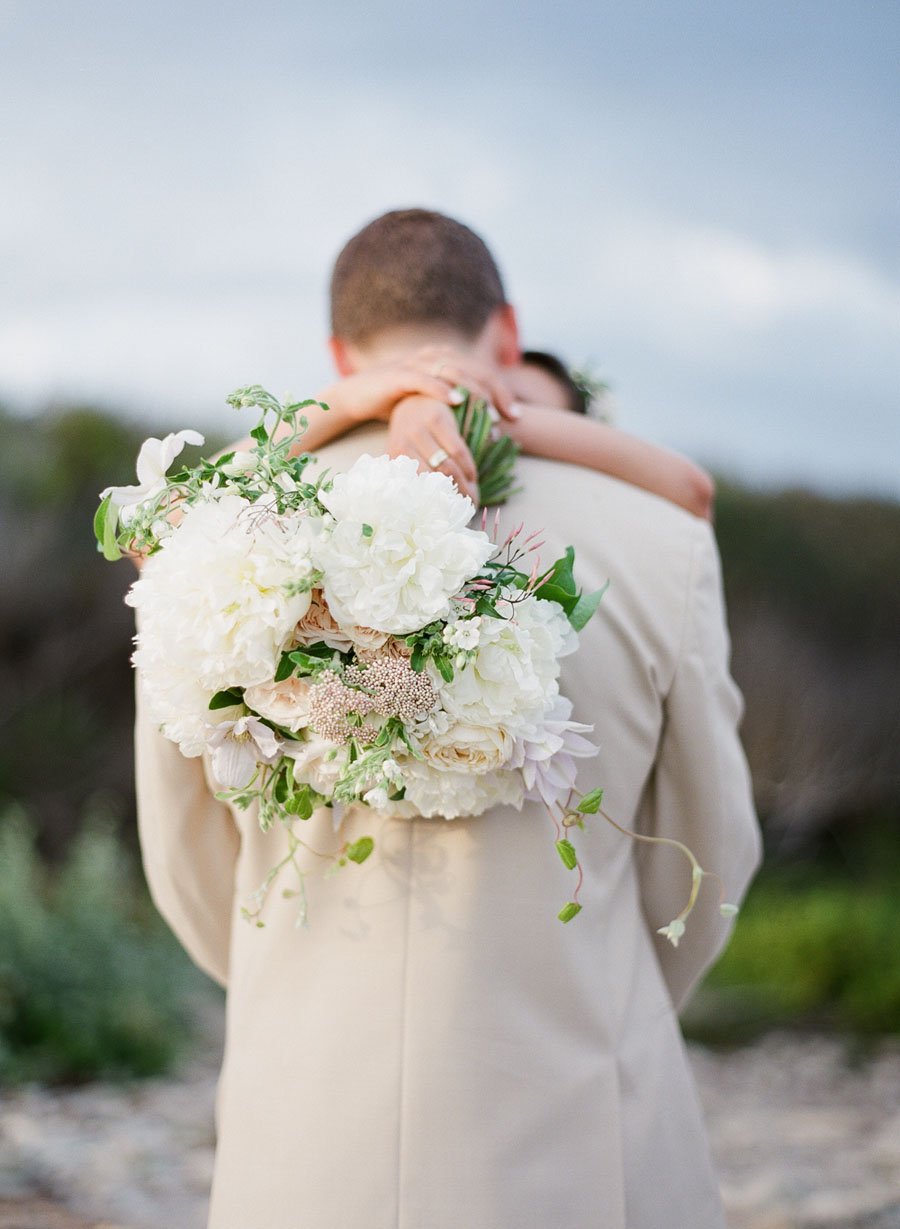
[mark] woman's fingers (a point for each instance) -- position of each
(437, 389)
(430, 436)
(455, 367)
(447, 439)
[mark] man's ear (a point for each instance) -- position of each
(342, 354)
(508, 349)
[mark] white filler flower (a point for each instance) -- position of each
(215, 603)
(153, 463)
(400, 547)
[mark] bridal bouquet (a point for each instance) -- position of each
(350, 639)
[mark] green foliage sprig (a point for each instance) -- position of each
(493, 452)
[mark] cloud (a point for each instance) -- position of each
(170, 219)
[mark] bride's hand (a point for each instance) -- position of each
(425, 429)
(433, 372)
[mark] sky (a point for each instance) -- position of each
(700, 199)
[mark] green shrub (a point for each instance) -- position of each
(810, 950)
(91, 983)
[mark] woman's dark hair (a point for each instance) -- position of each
(576, 397)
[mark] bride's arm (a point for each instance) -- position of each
(431, 373)
(563, 436)
(418, 423)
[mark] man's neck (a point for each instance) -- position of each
(394, 344)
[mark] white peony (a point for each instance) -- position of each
(399, 548)
(455, 794)
(512, 678)
(214, 610)
(181, 706)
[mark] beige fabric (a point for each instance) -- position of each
(437, 1051)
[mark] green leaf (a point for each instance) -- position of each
(445, 668)
(259, 433)
(227, 698)
(106, 520)
(305, 662)
(562, 572)
(285, 668)
(566, 851)
(417, 661)
(281, 790)
(300, 803)
(100, 519)
(590, 803)
(484, 606)
(367, 531)
(360, 850)
(551, 592)
(567, 912)
(319, 649)
(586, 607)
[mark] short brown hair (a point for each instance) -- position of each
(413, 266)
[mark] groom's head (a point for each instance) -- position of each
(413, 277)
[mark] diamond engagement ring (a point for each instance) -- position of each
(438, 457)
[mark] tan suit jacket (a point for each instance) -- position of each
(437, 1051)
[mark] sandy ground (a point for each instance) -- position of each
(804, 1138)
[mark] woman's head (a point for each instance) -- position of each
(543, 379)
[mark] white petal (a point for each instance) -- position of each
(266, 740)
(149, 462)
(234, 763)
(174, 443)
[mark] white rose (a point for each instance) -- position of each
(512, 677)
(400, 546)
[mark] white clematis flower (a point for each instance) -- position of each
(236, 747)
(673, 931)
(153, 462)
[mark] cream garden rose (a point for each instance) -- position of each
(319, 625)
(285, 703)
(469, 748)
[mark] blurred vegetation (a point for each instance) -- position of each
(67, 711)
(814, 606)
(815, 947)
(813, 589)
(91, 981)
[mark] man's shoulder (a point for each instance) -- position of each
(595, 505)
